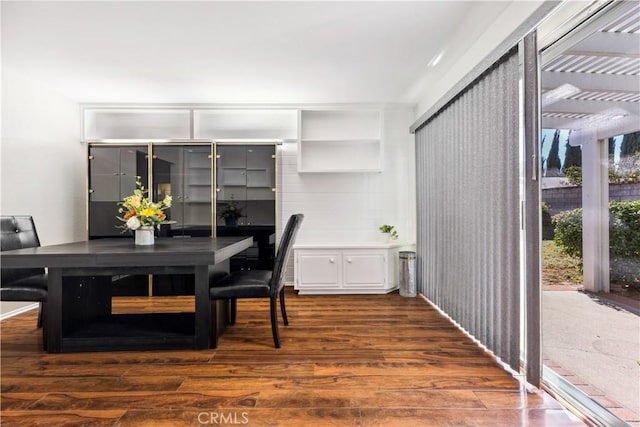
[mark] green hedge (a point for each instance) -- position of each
(623, 176)
(574, 175)
(624, 229)
(568, 232)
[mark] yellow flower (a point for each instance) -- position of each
(148, 212)
(133, 201)
(167, 201)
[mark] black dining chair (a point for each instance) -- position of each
(22, 284)
(258, 283)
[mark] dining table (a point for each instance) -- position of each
(78, 312)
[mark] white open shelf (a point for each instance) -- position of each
(340, 156)
(340, 141)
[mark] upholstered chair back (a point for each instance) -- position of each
(18, 232)
(284, 253)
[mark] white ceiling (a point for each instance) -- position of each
(238, 52)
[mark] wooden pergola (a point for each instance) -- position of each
(591, 85)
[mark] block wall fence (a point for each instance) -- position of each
(561, 199)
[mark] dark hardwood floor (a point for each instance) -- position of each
(345, 361)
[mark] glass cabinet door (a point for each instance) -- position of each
(112, 177)
(167, 181)
(231, 178)
(133, 166)
(198, 190)
(246, 185)
(104, 174)
(184, 172)
(261, 185)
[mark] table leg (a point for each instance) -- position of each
(203, 312)
(54, 311)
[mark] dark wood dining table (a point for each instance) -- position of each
(78, 315)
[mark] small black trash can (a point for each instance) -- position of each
(408, 274)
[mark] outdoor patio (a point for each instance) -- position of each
(593, 341)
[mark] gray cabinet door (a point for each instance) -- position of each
(232, 173)
(246, 177)
(167, 181)
(184, 172)
(112, 177)
(246, 181)
(198, 192)
(261, 179)
(105, 174)
(132, 164)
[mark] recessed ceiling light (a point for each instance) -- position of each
(435, 60)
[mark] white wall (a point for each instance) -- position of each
(514, 15)
(42, 161)
(349, 207)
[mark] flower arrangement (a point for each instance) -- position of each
(389, 229)
(139, 211)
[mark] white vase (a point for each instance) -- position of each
(144, 236)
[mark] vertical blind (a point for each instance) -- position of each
(468, 208)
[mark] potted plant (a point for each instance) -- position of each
(390, 231)
(230, 212)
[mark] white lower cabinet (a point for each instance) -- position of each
(349, 269)
(318, 269)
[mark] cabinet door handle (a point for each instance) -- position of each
(348, 259)
(331, 260)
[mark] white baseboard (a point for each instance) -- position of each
(19, 311)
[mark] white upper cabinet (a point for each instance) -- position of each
(134, 123)
(245, 124)
(187, 123)
(340, 141)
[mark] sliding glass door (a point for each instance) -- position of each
(590, 151)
